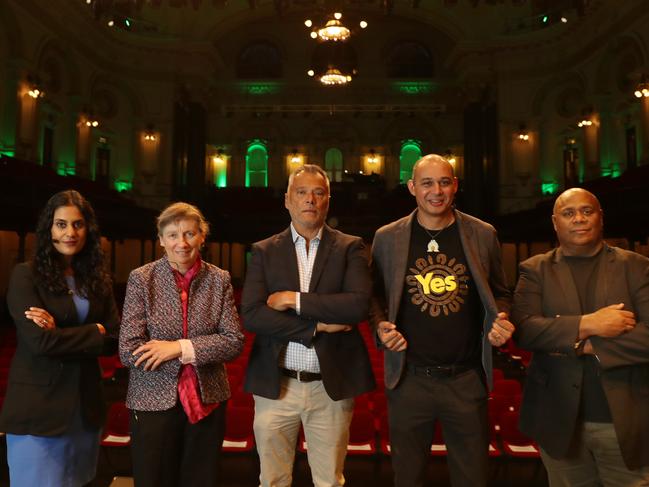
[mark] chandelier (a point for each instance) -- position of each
(333, 76)
(333, 30)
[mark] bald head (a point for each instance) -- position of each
(570, 194)
(432, 159)
(578, 220)
(433, 185)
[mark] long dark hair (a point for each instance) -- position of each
(89, 265)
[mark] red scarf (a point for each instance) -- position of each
(188, 388)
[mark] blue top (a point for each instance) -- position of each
(80, 303)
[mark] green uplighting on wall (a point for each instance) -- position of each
(66, 169)
(414, 87)
(409, 154)
(265, 88)
(612, 170)
(122, 185)
(257, 164)
(8, 153)
(549, 188)
(221, 178)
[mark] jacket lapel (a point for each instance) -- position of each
(472, 255)
(401, 248)
(286, 247)
(567, 283)
(606, 269)
(327, 243)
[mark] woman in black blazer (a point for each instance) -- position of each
(65, 315)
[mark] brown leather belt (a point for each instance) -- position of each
(301, 375)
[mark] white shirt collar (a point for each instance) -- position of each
(297, 236)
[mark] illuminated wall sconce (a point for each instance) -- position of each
(36, 93)
(642, 90)
(149, 134)
(450, 157)
(586, 117)
(372, 157)
(523, 134)
(295, 157)
(34, 86)
(92, 123)
(218, 159)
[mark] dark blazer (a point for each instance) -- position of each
(54, 370)
(547, 312)
(389, 264)
(338, 293)
(153, 311)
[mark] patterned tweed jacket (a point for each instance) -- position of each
(152, 311)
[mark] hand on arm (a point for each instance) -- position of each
(607, 322)
(390, 337)
(332, 327)
(41, 317)
(501, 330)
(156, 352)
(282, 300)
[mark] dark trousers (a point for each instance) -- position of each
(459, 403)
(169, 451)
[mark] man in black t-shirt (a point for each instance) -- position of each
(440, 302)
(583, 308)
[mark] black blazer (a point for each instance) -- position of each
(547, 313)
(338, 293)
(54, 370)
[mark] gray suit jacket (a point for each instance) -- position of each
(547, 312)
(389, 263)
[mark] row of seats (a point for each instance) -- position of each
(369, 433)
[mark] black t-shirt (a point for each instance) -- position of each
(440, 312)
(594, 405)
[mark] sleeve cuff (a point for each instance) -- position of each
(297, 302)
(187, 353)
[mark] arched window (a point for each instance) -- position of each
(334, 164)
(257, 164)
(259, 60)
(409, 59)
(410, 153)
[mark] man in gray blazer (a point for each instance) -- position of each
(306, 290)
(440, 301)
(583, 309)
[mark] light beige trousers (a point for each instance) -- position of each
(326, 429)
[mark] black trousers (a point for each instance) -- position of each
(169, 451)
(460, 404)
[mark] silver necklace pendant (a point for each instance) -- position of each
(433, 246)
